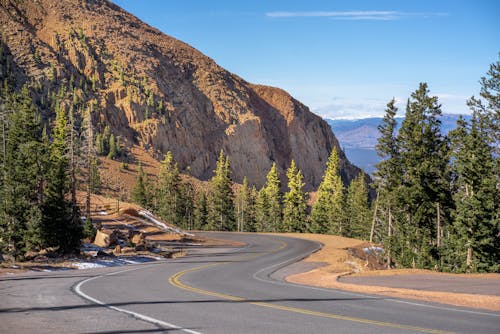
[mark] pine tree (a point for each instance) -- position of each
(387, 179)
(187, 205)
(140, 192)
(424, 192)
(327, 215)
(295, 202)
(99, 144)
(357, 209)
(105, 140)
(168, 195)
(274, 199)
(113, 150)
(201, 211)
(220, 200)
(20, 207)
(244, 208)
(61, 222)
(261, 211)
(474, 243)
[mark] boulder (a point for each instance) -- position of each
(126, 250)
(105, 238)
(117, 250)
(41, 258)
(101, 253)
(137, 238)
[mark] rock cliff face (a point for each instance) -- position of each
(162, 94)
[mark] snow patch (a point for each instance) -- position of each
(149, 216)
(103, 213)
(114, 262)
(373, 249)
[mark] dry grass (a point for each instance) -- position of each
(340, 263)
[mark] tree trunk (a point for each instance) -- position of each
(372, 231)
(438, 237)
(389, 235)
(469, 258)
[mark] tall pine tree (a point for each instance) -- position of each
(274, 197)
(169, 193)
(220, 215)
(424, 191)
(357, 209)
(244, 208)
(295, 203)
(387, 179)
(61, 224)
(327, 215)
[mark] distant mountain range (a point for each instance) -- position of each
(358, 137)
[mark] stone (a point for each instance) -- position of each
(126, 250)
(105, 238)
(117, 250)
(101, 253)
(137, 238)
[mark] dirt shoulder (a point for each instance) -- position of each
(343, 270)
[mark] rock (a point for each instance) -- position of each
(105, 238)
(41, 258)
(137, 238)
(117, 250)
(9, 258)
(101, 253)
(126, 250)
(30, 255)
(140, 247)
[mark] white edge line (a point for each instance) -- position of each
(300, 257)
(143, 317)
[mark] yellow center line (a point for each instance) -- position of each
(175, 281)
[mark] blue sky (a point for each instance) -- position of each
(343, 59)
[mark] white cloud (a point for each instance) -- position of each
(342, 108)
(349, 108)
(355, 15)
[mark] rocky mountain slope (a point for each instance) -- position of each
(159, 93)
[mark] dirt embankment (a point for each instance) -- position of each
(344, 271)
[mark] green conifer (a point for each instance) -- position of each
(327, 215)
(295, 202)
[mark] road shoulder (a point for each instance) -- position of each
(340, 265)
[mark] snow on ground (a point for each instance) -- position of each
(373, 249)
(149, 216)
(114, 262)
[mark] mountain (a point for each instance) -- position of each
(358, 137)
(161, 94)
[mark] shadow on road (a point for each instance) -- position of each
(166, 302)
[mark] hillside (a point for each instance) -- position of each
(161, 94)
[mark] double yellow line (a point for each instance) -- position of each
(175, 280)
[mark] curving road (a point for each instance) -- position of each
(218, 290)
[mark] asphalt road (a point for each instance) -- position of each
(216, 291)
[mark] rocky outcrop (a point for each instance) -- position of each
(162, 94)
